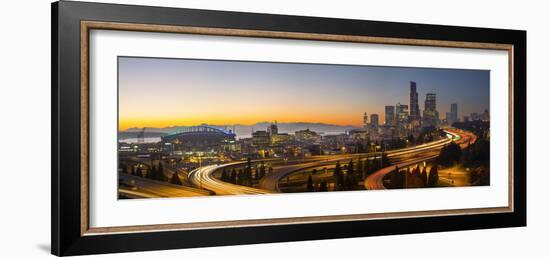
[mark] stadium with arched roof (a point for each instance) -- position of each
(199, 137)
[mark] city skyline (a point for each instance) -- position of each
(299, 149)
(183, 92)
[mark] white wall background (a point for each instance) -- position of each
(25, 127)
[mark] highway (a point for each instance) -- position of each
(271, 181)
(407, 158)
(204, 178)
(148, 188)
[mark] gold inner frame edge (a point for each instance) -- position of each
(86, 26)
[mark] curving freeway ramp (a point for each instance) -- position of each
(419, 154)
(204, 178)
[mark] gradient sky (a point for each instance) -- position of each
(159, 92)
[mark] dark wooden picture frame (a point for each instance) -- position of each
(71, 22)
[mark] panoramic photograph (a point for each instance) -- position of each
(192, 127)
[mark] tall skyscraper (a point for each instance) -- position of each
(365, 120)
(430, 104)
(373, 126)
(374, 120)
(413, 102)
(430, 115)
(454, 114)
(389, 117)
(401, 114)
(449, 118)
(402, 119)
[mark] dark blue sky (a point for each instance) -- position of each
(189, 91)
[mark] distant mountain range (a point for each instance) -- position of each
(246, 130)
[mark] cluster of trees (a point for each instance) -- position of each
(450, 155)
(135, 170)
(478, 127)
(345, 180)
(413, 178)
(477, 157)
(154, 172)
(477, 153)
(480, 176)
(157, 173)
(247, 175)
(320, 187)
(346, 177)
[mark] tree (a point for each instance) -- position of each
(159, 174)
(433, 177)
(152, 172)
(323, 186)
(224, 175)
(449, 155)
(233, 176)
(350, 167)
(351, 181)
(338, 176)
(309, 187)
(240, 176)
(246, 175)
(175, 179)
(411, 140)
(361, 168)
(397, 179)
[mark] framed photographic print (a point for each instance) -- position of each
(178, 128)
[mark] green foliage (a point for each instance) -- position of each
(233, 176)
(309, 187)
(361, 168)
(224, 175)
(480, 176)
(397, 179)
(449, 155)
(323, 187)
(338, 176)
(350, 167)
(175, 179)
(478, 153)
(152, 172)
(433, 177)
(160, 172)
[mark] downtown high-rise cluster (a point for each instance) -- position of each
(402, 120)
